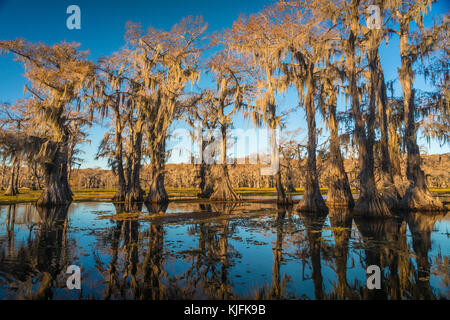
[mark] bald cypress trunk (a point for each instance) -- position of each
(56, 191)
(11, 190)
(134, 190)
(369, 202)
(65, 170)
(157, 193)
(17, 181)
(206, 189)
(417, 196)
(339, 192)
(224, 191)
(121, 183)
(275, 161)
(312, 199)
(386, 185)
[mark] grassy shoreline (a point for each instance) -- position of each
(180, 194)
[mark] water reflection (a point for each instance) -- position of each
(219, 251)
(33, 264)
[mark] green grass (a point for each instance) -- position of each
(27, 195)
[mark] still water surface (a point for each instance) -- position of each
(219, 251)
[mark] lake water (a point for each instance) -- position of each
(219, 251)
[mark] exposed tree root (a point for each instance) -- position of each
(120, 195)
(224, 192)
(372, 206)
(421, 199)
(339, 194)
(312, 202)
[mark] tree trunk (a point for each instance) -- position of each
(17, 181)
(64, 174)
(275, 161)
(369, 202)
(339, 192)
(394, 154)
(224, 191)
(312, 199)
(134, 190)
(56, 191)
(417, 196)
(11, 191)
(386, 185)
(120, 194)
(206, 189)
(157, 193)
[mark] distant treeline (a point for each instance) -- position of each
(242, 175)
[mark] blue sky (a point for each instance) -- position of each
(102, 30)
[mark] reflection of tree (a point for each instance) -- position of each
(208, 275)
(341, 223)
(394, 255)
(43, 256)
(385, 246)
(313, 222)
(152, 268)
(373, 235)
(224, 207)
(10, 221)
(277, 284)
(141, 280)
(111, 280)
(421, 226)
